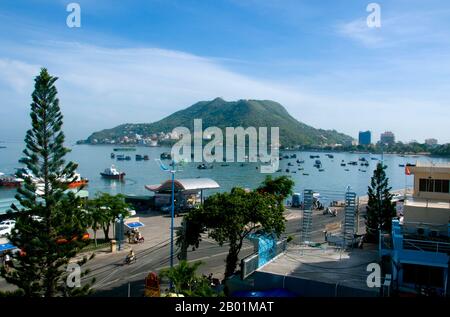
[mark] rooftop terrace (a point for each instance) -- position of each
(327, 265)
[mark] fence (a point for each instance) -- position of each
(251, 263)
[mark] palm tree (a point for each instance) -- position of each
(186, 281)
(97, 217)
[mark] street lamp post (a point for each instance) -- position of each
(172, 213)
(172, 170)
(119, 232)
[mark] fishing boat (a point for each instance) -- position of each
(113, 155)
(128, 148)
(343, 164)
(139, 157)
(10, 181)
(112, 173)
(165, 156)
(146, 158)
(76, 182)
(294, 156)
(330, 156)
(314, 156)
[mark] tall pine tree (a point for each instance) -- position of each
(49, 223)
(380, 208)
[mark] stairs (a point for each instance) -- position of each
(349, 217)
(307, 216)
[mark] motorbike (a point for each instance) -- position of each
(329, 211)
(130, 259)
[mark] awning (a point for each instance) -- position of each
(6, 247)
(134, 225)
(185, 184)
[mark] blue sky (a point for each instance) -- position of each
(138, 61)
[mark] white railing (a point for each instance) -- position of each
(426, 246)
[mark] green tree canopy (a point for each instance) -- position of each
(231, 217)
(105, 209)
(50, 223)
(380, 208)
(186, 281)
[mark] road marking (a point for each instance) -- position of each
(130, 277)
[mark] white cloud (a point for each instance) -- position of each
(102, 87)
(359, 31)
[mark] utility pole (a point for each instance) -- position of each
(171, 170)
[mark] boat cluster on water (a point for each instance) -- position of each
(23, 173)
(363, 162)
(122, 157)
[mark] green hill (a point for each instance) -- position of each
(220, 113)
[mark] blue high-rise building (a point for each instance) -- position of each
(365, 138)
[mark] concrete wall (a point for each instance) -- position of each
(438, 216)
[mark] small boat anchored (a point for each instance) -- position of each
(112, 173)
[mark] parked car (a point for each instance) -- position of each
(4, 231)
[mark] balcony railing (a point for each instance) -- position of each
(426, 246)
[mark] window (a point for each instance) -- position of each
(446, 186)
(423, 185)
(438, 185)
(434, 185)
(420, 275)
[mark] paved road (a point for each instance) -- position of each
(115, 279)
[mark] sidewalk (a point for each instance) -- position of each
(155, 232)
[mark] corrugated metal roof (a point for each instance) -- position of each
(185, 184)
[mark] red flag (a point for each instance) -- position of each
(407, 171)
